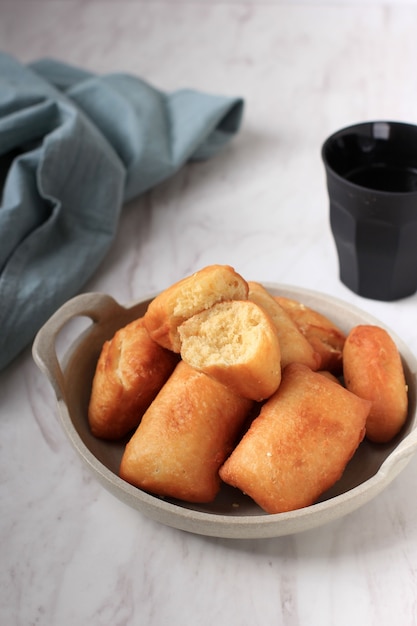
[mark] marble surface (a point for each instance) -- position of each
(70, 552)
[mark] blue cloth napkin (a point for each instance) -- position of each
(74, 147)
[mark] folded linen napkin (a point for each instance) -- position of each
(73, 148)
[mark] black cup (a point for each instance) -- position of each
(371, 171)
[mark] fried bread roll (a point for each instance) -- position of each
(184, 437)
(237, 344)
(130, 371)
(329, 375)
(300, 443)
(195, 293)
(373, 370)
(325, 337)
(294, 346)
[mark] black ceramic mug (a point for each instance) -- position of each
(371, 171)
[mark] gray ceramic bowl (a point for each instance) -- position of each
(232, 514)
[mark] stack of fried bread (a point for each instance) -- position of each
(223, 381)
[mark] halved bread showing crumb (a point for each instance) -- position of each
(191, 295)
(237, 344)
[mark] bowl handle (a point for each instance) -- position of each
(97, 306)
(402, 452)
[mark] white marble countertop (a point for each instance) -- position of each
(70, 552)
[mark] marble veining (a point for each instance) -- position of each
(70, 552)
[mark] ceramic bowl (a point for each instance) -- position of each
(232, 514)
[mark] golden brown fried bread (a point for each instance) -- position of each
(294, 346)
(184, 437)
(325, 337)
(130, 371)
(195, 293)
(300, 443)
(329, 375)
(237, 344)
(373, 370)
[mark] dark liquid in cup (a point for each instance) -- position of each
(385, 178)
